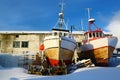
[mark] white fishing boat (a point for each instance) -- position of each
(60, 46)
(97, 46)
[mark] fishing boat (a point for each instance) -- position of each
(60, 46)
(96, 45)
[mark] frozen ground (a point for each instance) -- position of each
(97, 73)
(94, 73)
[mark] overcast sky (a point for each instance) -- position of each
(43, 14)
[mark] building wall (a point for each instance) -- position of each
(78, 37)
(34, 41)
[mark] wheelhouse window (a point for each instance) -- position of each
(93, 34)
(65, 34)
(25, 44)
(60, 34)
(55, 33)
(97, 34)
(100, 34)
(90, 35)
(16, 44)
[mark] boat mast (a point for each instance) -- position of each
(88, 13)
(61, 21)
(61, 15)
(90, 20)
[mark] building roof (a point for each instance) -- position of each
(39, 32)
(21, 32)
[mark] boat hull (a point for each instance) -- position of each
(55, 59)
(59, 50)
(98, 56)
(99, 50)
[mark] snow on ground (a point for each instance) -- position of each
(101, 73)
(94, 73)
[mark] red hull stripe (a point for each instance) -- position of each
(54, 62)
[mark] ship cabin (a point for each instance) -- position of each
(60, 32)
(94, 34)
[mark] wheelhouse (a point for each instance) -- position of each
(94, 34)
(60, 32)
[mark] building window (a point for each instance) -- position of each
(17, 36)
(16, 44)
(24, 44)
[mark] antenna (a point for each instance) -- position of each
(88, 13)
(61, 21)
(91, 20)
(62, 5)
(82, 25)
(61, 14)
